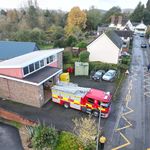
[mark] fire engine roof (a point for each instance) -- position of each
(99, 95)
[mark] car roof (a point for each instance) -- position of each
(112, 71)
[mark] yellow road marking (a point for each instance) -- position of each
(127, 126)
(123, 145)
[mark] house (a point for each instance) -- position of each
(141, 29)
(10, 49)
(106, 48)
(28, 78)
(126, 36)
(121, 23)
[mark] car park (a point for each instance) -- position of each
(97, 76)
(143, 45)
(110, 75)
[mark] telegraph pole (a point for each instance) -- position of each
(99, 122)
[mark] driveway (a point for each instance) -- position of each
(9, 138)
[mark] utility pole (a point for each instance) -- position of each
(99, 122)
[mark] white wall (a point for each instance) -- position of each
(104, 50)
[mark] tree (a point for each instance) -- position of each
(93, 18)
(86, 130)
(146, 17)
(113, 11)
(32, 14)
(84, 56)
(138, 13)
(148, 5)
(76, 18)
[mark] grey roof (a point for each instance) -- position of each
(42, 75)
(11, 49)
(114, 38)
(125, 33)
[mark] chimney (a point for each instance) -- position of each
(112, 19)
(119, 19)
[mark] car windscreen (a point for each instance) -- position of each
(105, 104)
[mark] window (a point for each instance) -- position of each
(48, 60)
(90, 100)
(37, 66)
(25, 70)
(42, 63)
(31, 67)
(51, 58)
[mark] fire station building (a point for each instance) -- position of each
(28, 78)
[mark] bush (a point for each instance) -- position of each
(126, 60)
(67, 66)
(123, 67)
(71, 41)
(67, 57)
(68, 141)
(84, 56)
(102, 66)
(82, 44)
(44, 137)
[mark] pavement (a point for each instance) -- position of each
(9, 138)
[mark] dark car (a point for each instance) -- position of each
(98, 75)
(143, 45)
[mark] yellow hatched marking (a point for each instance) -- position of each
(127, 126)
(123, 145)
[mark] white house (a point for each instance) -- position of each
(141, 29)
(106, 48)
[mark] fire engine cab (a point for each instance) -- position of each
(88, 100)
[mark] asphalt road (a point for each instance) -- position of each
(9, 138)
(132, 126)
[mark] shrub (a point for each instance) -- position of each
(84, 56)
(68, 141)
(71, 41)
(86, 130)
(102, 66)
(126, 60)
(123, 67)
(67, 57)
(44, 137)
(82, 44)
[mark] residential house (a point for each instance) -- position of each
(106, 48)
(120, 23)
(28, 78)
(10, 49)
(126, 36)
(141, 29)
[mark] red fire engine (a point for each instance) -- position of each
(88, 100)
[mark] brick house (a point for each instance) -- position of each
(28, 78)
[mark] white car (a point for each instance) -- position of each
(110, 75)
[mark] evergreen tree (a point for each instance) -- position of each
(138, 13)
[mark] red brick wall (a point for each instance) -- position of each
(15, 117)
(13, 72)
(22, 92)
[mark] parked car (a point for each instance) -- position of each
(110, 75)
(98, 75)
(143, 45)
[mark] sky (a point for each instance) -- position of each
(66, 5)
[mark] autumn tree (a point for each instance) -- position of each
(76, 21)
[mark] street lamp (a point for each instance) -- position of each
(99, 122)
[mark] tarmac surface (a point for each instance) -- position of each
(9, 138)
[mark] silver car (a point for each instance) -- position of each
(110, 75)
